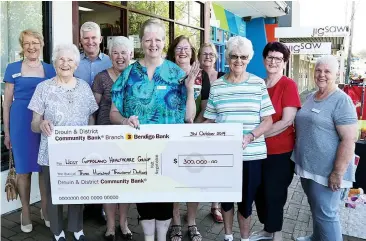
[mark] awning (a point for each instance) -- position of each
(255, 9)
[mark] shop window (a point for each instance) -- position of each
(212, 34)
(160, 8)
(107, 17)
(193, 34)
(188, 12)
(14, 18)
(219, 35)
(226, 36)
(135, 21)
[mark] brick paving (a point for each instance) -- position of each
(297, 222)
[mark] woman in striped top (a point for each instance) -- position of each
(241, 97)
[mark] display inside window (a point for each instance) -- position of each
(106, 16)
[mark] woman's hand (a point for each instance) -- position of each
(46, 127)
(246, 140)
(335, 181)
(195, 69)
(7, 142)
(132, 121)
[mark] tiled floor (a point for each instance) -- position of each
(297, 222)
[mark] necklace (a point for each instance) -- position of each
(67, 90)
(33, 67)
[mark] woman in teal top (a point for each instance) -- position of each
(153, 91)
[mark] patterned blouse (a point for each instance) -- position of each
(161, 100)
(62, 107)
(102, 85)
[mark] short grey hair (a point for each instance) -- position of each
(329, 60)
(151, 22)
(241, 43)
(120, 41)
(66, 47)
(89, 26)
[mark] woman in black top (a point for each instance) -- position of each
(207, 57)
(182, 52)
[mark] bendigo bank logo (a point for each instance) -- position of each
(129, 136)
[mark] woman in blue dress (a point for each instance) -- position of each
(21, 79)
(153, 91)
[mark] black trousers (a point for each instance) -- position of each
(277, 174)
(158, 211)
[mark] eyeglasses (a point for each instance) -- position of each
(276, 59)
(235, 57)
(209, 55)
(179, 49)
(27, 44)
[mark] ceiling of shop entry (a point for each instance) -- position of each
(254, 9)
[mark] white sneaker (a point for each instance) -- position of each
(259, 235)
(25, 228)
(47, 223)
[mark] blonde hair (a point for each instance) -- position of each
(33, 33)
(150, 22)
(211, 45)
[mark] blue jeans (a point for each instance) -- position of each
(324, 205)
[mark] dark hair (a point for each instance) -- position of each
(171, 50)
(277, 47)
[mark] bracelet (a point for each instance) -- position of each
(251, 133)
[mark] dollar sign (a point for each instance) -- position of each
(175, 160)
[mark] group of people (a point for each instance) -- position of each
(96, 89)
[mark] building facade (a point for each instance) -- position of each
(60, 21)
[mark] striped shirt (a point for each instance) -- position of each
(244, 102)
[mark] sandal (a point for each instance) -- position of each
(217, 217)
(176, 233)
(193, 233)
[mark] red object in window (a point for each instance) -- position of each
(355, 92)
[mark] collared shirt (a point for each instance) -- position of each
(87, 69)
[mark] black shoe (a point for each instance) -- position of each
(125, 236)
(110, 237)
(82, 238)
(60, 239)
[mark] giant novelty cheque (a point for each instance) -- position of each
(156, 163)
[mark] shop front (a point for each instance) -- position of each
(306, 45)
(60, 22)
(125, 19)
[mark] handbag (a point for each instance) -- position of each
(11, 181)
